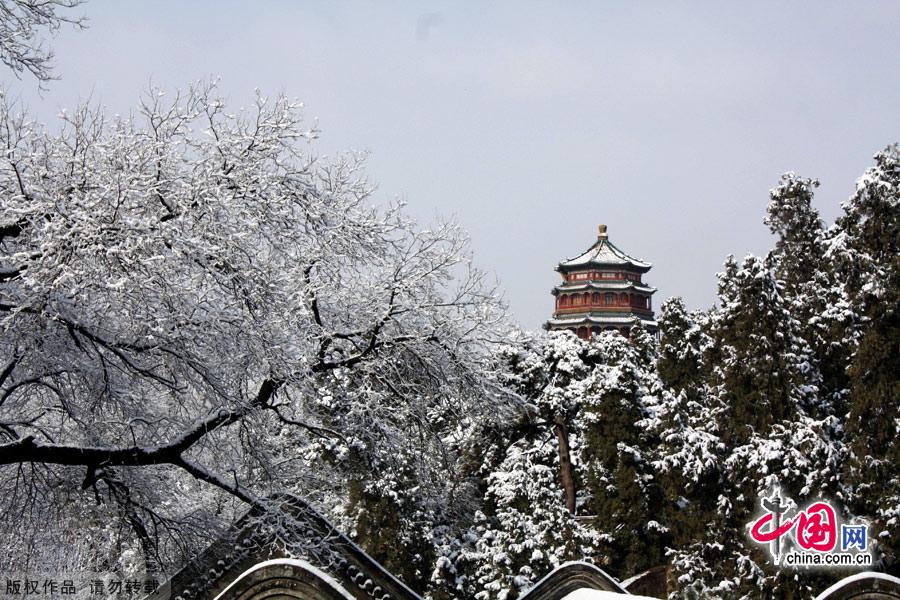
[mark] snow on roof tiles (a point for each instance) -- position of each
(604, 285)
(582, 319)
(604, 252)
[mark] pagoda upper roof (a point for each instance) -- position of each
(604, 254)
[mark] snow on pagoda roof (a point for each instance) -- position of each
(604, 285)
(583, 319)
(604, 253)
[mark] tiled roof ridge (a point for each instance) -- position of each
(590, 256)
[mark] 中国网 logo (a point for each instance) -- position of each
(812, 537)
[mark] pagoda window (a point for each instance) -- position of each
(596, 298)
(586, 298)
(623, 299)
(610, 299)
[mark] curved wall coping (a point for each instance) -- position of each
(569, 577)
(882, 582)
(289, 562)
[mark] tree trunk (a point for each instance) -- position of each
(565, 464)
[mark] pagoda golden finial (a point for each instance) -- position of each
(601, 232)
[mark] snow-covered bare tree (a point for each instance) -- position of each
(195, 311)
(22, 23)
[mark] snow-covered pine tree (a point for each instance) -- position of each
(617, 422)
(527, 530)
(763, 388)
(689, 456)
(764, 371)
(681, 346)
(543, 374)
(866, 246)
(602, 391)
(812, 285)
(548, 373)
(791, 216)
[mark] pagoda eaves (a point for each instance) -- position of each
(604, 254)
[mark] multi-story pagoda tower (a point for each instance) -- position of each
(602, 290)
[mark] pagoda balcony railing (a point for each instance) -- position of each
(600, 276)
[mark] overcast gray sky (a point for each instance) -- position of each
(531, 123)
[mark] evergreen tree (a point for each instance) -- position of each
(528, 531)
(625, 498)
(763, 368)
(681, 347)
(791, 216)
(549, 374)
(866, 245)
(762, 383)
(390, 517)
(690, 452)
(811, 283)
(530, 482)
